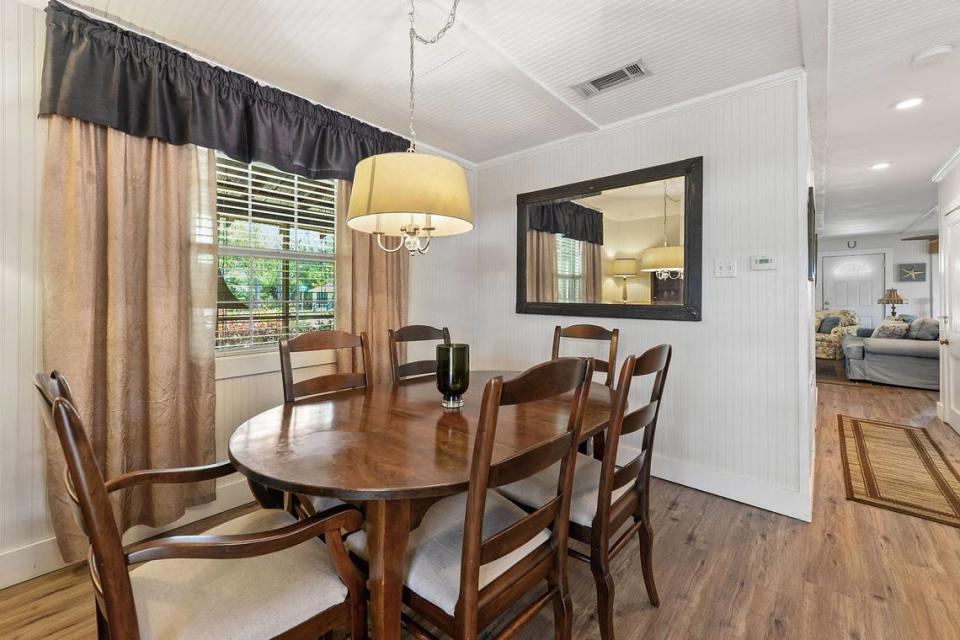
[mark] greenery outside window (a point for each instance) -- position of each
(277, 246)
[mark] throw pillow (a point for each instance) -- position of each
(924, 329)
(829, 324)
(906, 317)
(848, 318)
(891, 329)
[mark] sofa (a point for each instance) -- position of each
(831, 326)
(904, 362)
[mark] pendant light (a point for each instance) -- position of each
(665, 261)
(410, 195)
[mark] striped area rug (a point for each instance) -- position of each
(899, 468)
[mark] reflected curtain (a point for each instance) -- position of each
(592, 260)
(372, 291)
(129, 304)
(542, 284)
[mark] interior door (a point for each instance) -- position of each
(950, 323)
(855, 282)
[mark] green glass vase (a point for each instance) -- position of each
(453, 373)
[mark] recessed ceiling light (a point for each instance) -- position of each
(880, 166)
(909, 103)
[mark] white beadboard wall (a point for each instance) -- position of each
(737, 415)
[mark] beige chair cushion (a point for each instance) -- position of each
(539, 489)
(238, 599)
(436, 546)
(321, 503)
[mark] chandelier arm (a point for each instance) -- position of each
(426, 245)
(381, 245)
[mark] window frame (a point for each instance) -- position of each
(289, 258)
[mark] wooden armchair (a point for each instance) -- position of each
(413, 333)
(475, 555)
(262, 575)
(607, 493)
(591, 332)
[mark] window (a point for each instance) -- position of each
(277, 270)
(569, 269)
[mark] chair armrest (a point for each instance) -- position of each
(171, 476)
(849, 330)
(246, 545)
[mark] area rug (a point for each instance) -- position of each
(899, 468)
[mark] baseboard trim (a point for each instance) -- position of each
(728, 485)
(43, 556)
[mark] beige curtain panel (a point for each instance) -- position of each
(542, 283)
(129, 308)
(372, 291)
(592, 258)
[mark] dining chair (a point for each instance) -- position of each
(610, 491)
(413, 333)
(476, 554)
(260, 575)
(591, 332)
(323, 341)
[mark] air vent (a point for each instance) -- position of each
(608, 81)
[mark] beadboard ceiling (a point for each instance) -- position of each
(871, 45)
(501, 80)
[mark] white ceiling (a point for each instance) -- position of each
(871, 45)
(638, 201)
(500, 81)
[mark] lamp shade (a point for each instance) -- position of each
(892, 296)
(624, 267)
(391, 190)
(662, 258)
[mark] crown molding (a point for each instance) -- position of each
(946, 167)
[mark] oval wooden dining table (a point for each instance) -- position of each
(394, 449)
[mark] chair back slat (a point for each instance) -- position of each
(110, 566)
(413, 333)
(323, 341)
(520, 532)
(530, 462)
(655, 361)
(543, 381)
(636, 420)
(591, 332)
(552, 380)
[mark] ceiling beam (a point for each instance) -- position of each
(482, 46)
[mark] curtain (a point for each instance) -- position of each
(542, 284)
(372, 291)
(129, 307)
(592, 258)
(98, 72)
(569, 219)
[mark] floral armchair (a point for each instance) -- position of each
(829, 343)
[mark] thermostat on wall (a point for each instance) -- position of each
(761, 263)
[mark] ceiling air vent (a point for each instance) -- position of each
(608, 81)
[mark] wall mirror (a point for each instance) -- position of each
(623, 246)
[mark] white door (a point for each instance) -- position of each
(855, 283)
(950, 323)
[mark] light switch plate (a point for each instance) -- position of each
(763, 263)
(725, 268)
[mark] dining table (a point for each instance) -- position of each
(393, 450)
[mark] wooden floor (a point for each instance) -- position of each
(725, 570)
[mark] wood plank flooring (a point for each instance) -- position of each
(724, 570)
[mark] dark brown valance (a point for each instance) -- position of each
(97, 72)
(570, 219)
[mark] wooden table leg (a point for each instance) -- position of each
(388, 529)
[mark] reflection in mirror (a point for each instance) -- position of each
(618, 246)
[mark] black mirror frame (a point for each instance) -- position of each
(692, 170)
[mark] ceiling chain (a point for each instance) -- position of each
(414, 38)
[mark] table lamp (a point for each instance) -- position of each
(624, 268)
(892, 298)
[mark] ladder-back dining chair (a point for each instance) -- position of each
(260, 575)
(323, 341)
(610, 491)
(476, 554)
(413, 333)
(591, 332)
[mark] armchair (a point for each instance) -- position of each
(829, 339)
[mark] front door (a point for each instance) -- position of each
(950, 323)
(855, 283)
